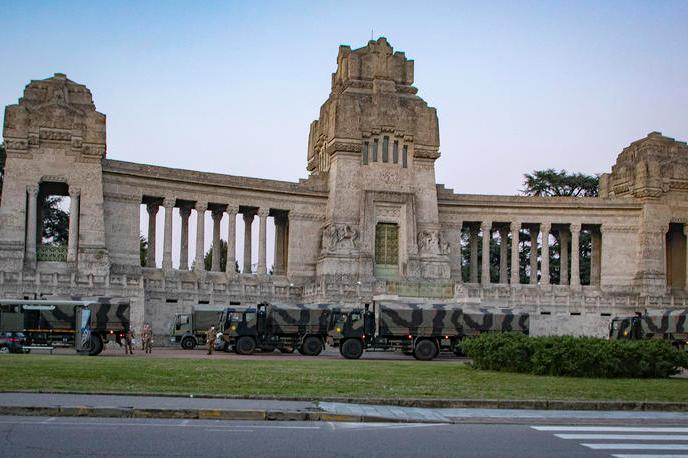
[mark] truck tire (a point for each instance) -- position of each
(311, 346)
(94, 347)
(245, 345)
(425, 350)
(351, 349)
(188, 343)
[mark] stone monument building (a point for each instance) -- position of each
(369, 221)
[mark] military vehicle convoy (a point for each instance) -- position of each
(667, 325)
(190, 329)
(85, 324)
(422, 330)
(276, 326)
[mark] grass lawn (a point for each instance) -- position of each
(315, 379)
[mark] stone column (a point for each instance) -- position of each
(515, 259)
(575, 252)
(280, 245)
(168, 203)
(184, 212)
(248, 221)
(534, 231)
(152, 213)
(31, 226)
(73, 240)
(545, 229)
(503, 255)
(262, 240)
(473, 236)
(595, 257)
(199, 265)
(564, 237)
(217, 245)
(486, 227)
(232, 211)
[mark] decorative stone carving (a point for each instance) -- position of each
(339, 237)
(432, 242)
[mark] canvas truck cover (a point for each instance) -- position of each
(205, 316)
(400, 319)
(660, 322)
(60, 314)
(475, 321)
(299, 319)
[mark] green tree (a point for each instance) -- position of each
(551, 183)
(55, 222)
(143, 250)
(208, 258)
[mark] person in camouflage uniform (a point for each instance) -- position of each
(212, 338)
(129, 342)
(147, 338)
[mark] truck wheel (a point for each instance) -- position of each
(425, 350)
(312, 346)
(245, 345)
(94, 346)
(188, 343)
(351, 349)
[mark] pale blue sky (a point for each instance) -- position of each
(232, 87)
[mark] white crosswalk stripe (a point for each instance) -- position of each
(632, 441)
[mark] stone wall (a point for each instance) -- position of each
(371, 162)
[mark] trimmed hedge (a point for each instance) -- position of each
(574, 356)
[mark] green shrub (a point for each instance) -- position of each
(574, 356)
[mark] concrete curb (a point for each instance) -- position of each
(530, 404)
(194, 414)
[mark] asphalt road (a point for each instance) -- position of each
(41, 436)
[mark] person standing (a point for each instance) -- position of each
(129, 342)
(147, 337)
(212, 338)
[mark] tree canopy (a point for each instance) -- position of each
(55, 222)
(549, 182)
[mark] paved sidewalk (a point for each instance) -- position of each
(89, 405)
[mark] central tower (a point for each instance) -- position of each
(375, 144)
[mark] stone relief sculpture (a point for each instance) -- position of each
(432, 242)
(339, 237)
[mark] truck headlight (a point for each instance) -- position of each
(339, 329)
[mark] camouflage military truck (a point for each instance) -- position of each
(422, 330)
(276, 326)
(667, 325)
(189, 329)
(84, 323)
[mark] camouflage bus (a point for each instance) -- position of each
(276, 326)
(667, 325)
(84, 323)
(421, 330)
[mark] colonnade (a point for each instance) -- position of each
(217, 213)
(509, 266)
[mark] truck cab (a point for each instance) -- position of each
(352, 331)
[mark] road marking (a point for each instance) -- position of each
(621, 437)
(637, 446)
(49, 420)
(650, 456)
(184, 423)
(613, 429)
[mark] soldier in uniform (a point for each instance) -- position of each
(147, 338)
(212, 337)
(129, 342)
